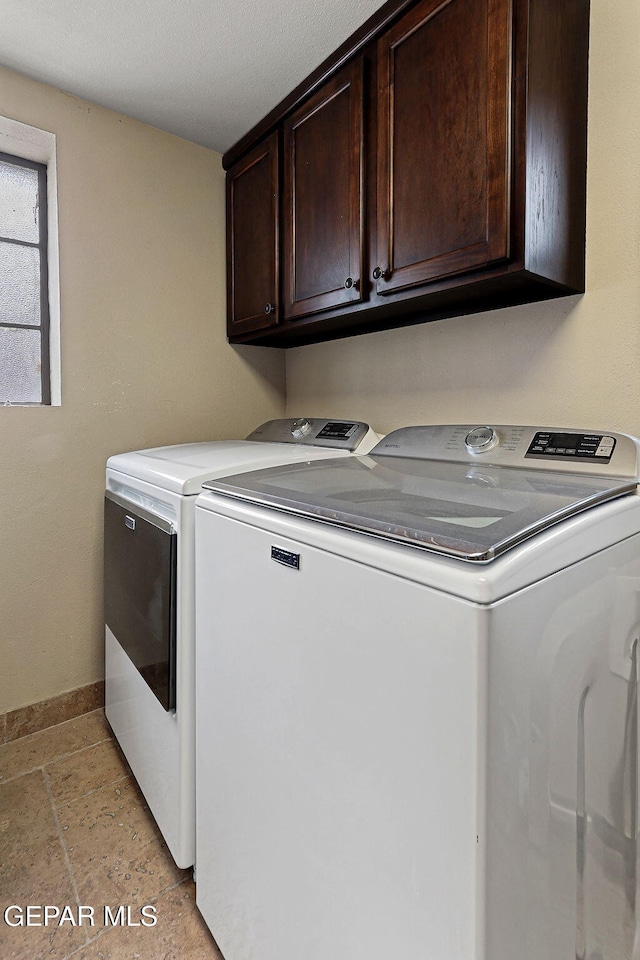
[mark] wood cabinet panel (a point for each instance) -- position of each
(443, 146)
(439, 159)
(323, 198)
(253, 239)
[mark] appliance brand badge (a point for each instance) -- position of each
(286, 557)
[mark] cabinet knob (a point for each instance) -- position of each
(350, 282)
(378, 273)
(269, 308)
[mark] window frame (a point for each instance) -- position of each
(22, 140)
(43, 247)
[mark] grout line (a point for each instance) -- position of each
(63, 756)
(172, 886)
(82, 796)
(4, 728)
(100, 931)
(63, 844)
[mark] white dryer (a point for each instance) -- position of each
(417, 707)
(149, 598)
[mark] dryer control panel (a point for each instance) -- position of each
(553, 448)
(337, 434)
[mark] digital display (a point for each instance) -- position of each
(572, 446)
(567, 441)
(336, 431)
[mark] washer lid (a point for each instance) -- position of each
(465, 510)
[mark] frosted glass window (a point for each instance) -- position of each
(19, 284)
(24, 305)
(19, 212)
(20, 374)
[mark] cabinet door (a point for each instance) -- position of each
(323, 204)
(253, 240)
(443, 187)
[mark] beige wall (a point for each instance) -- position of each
(574, 361)
(144, 362)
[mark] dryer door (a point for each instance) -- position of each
(140, 557)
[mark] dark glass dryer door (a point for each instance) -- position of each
(468, 511)
(140, 557)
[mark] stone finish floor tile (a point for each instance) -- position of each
(117, 853)
(85, 770)
(180, 933)
(33, 870)
(100, 848)
(42, 943)
(28, 753)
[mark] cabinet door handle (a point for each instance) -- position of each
(269, 308)
(350, 282)
(379, 273)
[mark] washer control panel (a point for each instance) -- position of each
(551, 448)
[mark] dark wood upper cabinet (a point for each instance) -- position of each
(253, 240)
(435, 166)
(443, 148)
(323, 202)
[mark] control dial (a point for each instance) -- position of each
(481, 439)
(300, 429)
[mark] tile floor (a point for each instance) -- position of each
(74, 830)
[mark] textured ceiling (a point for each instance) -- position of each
(206, 70)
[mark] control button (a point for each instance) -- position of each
(603, 451)
(551, 450)
(561, 450)
(607, 442)
(481, 439)
(300, 429)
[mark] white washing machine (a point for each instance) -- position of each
(417, 701)
(149, 598)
